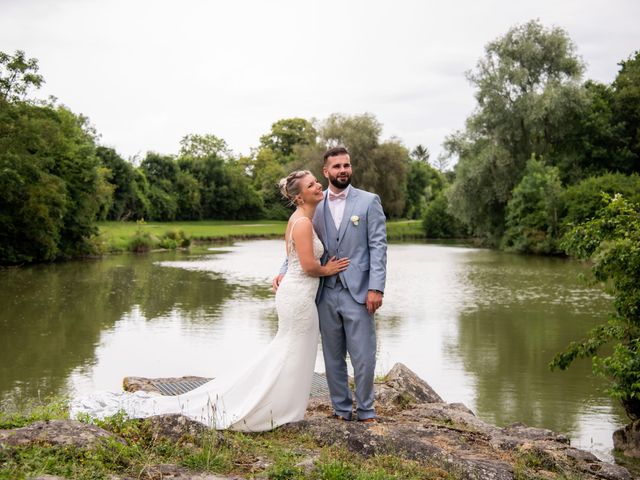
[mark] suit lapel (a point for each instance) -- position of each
(323, 220)
(351, 201)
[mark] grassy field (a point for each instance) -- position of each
(118, 236)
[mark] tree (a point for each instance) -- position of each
(267, 171)
(420, 154)
(286, 134)
(533, 213)
(529, 98)
(423, 184)
(198, 146)
(437, 222)
(611, 243)
(583, 200)
(626, 101)
(129, 200)
(52, 188)
(161, 171)
(17, 75)
(377, 167)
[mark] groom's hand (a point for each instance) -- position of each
(374, 301)
(275, 283)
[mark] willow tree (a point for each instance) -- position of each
(528, 96)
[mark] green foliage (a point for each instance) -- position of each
(130, 187)
(17, 75)
(142, 240)
(533, 213)
(421, 154)
(286, 135)
(583, 200)
(437, 222)
(599, 143)
(423, 183)
(201, 146)
(626, 103)
(611, 241)
(51, 409)
(267, 171)
(528, 99)
(52, 187)
(378, 167)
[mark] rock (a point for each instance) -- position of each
(402, 387)
(47, 477)
(532, 433)
(627, 440)
(56, 433)
(174, 472)
(178, 429)
(416, 424)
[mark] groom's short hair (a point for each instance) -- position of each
(334, 152)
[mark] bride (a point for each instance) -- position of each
(275, 388)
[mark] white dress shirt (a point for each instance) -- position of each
(336, 206)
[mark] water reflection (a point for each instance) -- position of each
(521, 311)
(480, 326)
(53, 317)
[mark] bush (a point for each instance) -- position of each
(533, 212)
(611, 241)
(583, 200)
(437, 222)
(142, 242)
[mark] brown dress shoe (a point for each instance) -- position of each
(335, 416)
(368, 420)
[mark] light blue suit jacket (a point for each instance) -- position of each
(362, 240)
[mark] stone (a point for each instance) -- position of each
(416, 424)
(57, 433)
(404, 387)
(178, 428)
(47, 477)
(627, 439)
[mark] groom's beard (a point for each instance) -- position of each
(340, 183)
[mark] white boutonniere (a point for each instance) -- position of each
(355, 220)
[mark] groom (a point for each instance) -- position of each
(350, 222)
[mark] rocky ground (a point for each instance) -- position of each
(414, 424)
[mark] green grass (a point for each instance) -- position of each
(123, 236)
(273, 455)
(405, 230)
(129, 236)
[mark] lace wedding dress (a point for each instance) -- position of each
(273, 391)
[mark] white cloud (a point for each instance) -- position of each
(149, 72)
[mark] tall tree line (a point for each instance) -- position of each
(534, 158)
(542, 144)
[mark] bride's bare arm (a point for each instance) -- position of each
(303, 238)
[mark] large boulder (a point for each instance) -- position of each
(417, 424)
(57, 433)
(627, 440)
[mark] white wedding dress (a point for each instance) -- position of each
(273, 391)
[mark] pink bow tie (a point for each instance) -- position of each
(337, 196)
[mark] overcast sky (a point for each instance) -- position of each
(148, 72)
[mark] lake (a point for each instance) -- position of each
(480, 326)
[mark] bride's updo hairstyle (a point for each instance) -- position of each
(290, 186)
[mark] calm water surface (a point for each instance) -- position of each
(480, 326)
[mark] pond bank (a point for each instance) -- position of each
(418, 435)
(128, 236)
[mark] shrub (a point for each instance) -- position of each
(611, 241)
